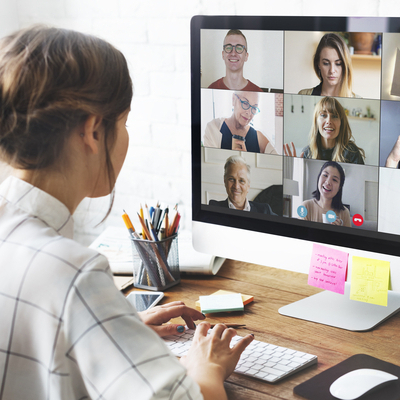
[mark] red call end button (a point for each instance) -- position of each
(358, 220)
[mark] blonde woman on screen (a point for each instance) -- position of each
(333, 67)
(330, 136)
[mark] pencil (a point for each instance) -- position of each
(129, 225)
(146, 233)
(141, 215)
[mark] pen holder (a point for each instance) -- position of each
(156, 264)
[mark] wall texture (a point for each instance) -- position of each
(154, 36)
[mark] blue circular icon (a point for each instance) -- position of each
(331, 216)
(302, 211)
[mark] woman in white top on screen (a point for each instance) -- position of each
(328, 196)
(235, 132)
(331, 137)
(66, 331)
(333, 67)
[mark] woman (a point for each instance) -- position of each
(235, 132)
(333, 67)
(328, 196)
(330, 136)
(66, 329)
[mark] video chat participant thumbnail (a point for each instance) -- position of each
(327, 197)
(235, 54)
(237, 185)
(330, 136)
(235, 132)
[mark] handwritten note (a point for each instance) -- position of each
(370, 280)
(328, 268)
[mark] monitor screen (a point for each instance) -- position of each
(295, 137)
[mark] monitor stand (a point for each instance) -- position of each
(338, 310)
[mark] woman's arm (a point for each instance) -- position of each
(265, 145)
(394, 156)
(213, 136)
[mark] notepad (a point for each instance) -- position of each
(370, 280)
(246, 298)
(221, 303)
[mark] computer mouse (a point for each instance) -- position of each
(355, 383)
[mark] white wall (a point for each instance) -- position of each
(154, 36)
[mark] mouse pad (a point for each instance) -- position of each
(317, 388)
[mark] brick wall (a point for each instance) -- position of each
(154, 36)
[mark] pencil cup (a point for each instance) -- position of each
(156, 264)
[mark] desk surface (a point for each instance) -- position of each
(272, 289)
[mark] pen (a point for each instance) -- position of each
(230, 325)
(161, 219)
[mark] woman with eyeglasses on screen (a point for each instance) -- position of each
(333, 67)
(235, 132)
(330, 136)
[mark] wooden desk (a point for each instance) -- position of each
(273, 288)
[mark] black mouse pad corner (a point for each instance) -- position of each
(317, 388)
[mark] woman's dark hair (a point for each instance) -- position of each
(337, 200)
(51, 81)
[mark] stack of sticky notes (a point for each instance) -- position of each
(223, 301)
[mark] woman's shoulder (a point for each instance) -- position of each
(216, 122)
(310, 203)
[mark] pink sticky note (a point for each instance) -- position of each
(328, 268)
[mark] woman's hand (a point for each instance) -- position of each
(210, 359)
(157, 316)
(291, 152)
(238, 145)
(394, 156)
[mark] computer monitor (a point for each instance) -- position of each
(257, 88)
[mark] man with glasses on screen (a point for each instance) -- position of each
(235, 54)
(237, 185)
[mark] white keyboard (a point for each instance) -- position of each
(260, 360)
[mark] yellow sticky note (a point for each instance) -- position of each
(370, 280)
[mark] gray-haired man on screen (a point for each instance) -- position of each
(237, 185)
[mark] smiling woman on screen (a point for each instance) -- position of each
(235, 132)
(330, 136)
(328, 196)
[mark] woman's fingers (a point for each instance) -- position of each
(291, 152)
